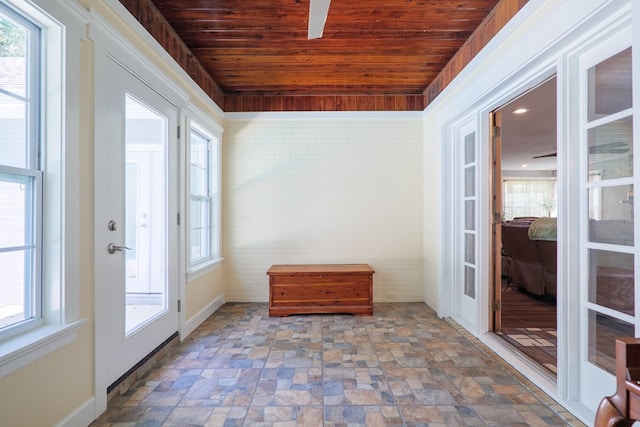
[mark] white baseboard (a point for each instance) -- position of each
(192, 323)
(82, 416)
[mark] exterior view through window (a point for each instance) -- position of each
(20, 173)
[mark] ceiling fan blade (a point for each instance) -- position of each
(616, 147)
(318, 11)
(545, 155)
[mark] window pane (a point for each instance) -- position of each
(196, 212)
(199, 181)
(199, 164)
(16, 200)
(196, 245)
(13, 70)
(529, 198)
(611, 149)
(200, 244)
(611, 279)
(13, 137)
(204, 187)
(16, 287)
(610, 86)
(603, 331)
(200, 229)
(611, 215)
(199, 147)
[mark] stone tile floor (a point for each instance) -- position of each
(403, 366)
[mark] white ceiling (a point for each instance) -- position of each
(531, 134)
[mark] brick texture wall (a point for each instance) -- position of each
(323, 191)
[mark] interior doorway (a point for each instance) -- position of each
(524, 174)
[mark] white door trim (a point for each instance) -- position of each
(450, 110)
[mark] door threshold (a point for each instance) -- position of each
(523, 358)
(129, 378)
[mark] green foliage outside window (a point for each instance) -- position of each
(12, 39)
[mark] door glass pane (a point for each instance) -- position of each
(611, 273)
(470, 248)
(611, 149)
(470, 181)
(611, 215)
(145, 216)
(470, 214)
(603, 331)
(610, 86)
(469, 281)
(470, 148)
(611, 278)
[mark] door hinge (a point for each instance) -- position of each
(496, 131)
(179, 306)
(178, 218)
(178, 132)
(496, 306)
(497, 217)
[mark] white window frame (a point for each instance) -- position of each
(58, 322)
(213, 133)
(31, 174)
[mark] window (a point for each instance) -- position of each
(20, 173)
(529, 197)
(39, 176)
(204, 203)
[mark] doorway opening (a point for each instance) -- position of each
(525, 204)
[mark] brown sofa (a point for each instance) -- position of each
(530, 251)
(526, 264)
(549, 253)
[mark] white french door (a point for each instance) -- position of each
(609, 236)
(136, 221)
(465, 292)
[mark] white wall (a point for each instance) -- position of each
(432, 218)
(315, 188)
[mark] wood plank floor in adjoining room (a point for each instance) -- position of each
(529, 324)
(522, 310)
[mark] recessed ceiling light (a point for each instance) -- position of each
(524, 165)
(520, 111)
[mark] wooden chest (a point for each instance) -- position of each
(320, 288)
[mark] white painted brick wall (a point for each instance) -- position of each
(323, 190)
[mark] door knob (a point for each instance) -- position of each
(112, 249)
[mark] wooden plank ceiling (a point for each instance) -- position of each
(374, 54)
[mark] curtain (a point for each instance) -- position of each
(529, 197)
